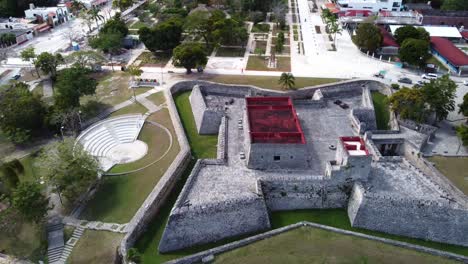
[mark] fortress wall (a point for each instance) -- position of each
(305, 193)
(163, 188)
(206, 119)
(221, 153)
(261, 156)
(427, 220)
(194, 225)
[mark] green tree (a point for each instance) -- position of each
(463, 107)
(455, 5)
(334, 28)
(72, 83)
(409, 104)
(462, 132)
(76, 6)
(69, 168)
(368, 37)
(230, 31)
(134, 71)
(94, 15)
(116, 24)
(414, 52)
(440, 96)
(279, 45)
(287, 81)
(9, 177)
(202, 24)
(190, 55)
(134, 255)
(410, 32)
(29, 54)
(28, 199)
(21, 113)
(48, 63)
(85, 58)
(122, 4)
(109, 43)
(164, 36)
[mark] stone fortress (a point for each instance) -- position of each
(309, 149)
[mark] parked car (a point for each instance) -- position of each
(16, 77)
(465, 82)
(379, 75)
(429, 76)
(405, 80)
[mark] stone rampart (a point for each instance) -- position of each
(305, 193)
(277, 156)
(221, 153)
(430, 220)
(193, 225)
(160, 192)
(206, 118)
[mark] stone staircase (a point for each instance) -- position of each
(77, 233)
(55, 240)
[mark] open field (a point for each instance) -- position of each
(112, 89)
(230, 52)
(154, 59)
(135, 108)
(157, 98)
(119, 197)
(455, 169)
(314, 245)
(266, 82)
(258, 63)
(95, 247)
(382, 113)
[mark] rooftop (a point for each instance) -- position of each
(436, 31)
(446, 48)
(273, 120)
(388, 40)
(355, 146)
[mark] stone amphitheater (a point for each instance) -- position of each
(115, 140)
(308, 149)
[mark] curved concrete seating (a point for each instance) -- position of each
(100, 138)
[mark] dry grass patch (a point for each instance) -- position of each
(95, 247)
(259, 63)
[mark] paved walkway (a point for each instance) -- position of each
(95, 225)
(48, 91)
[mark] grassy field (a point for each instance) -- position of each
(113, 88)
(202, 146)
(230, 52)
(95, 247)
(157, 98)
(382, 114)
(313, 245)
(455, 169)
(267, 82)
(19, 237)
(154, 59)
(258, 63)
(119, 197)
(135, 108)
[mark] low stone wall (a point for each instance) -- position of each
(221, 152)
(428, 220)
(261, 156)
(193, 225)
(197, 258)
(159, 194)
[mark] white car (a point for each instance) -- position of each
(465, 82)
(429, 76)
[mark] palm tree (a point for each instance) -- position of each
(287, 81)
(76, 6)
(134, 71)
(94, 14)
(335, 28)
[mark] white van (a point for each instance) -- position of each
(429, 76)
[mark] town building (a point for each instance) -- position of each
(448, 53)
(450, 33)
(94, 3)
(389, 45)
(447, 18)
(372, 5)
(52, 16)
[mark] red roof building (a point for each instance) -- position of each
(273, 120)
(450, 54)
(388, 40)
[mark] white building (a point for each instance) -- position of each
(451, 33)
(372, 5)
(50, 15)
(93, 3)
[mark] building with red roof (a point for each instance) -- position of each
(447, 52)
(389, 45)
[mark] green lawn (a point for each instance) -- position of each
(455, 169)
(260, 47)
(382, 113)
(202, 146)
(314, 245)
(135, 108)
(157, 98)
(119, 197)
(137, 25)
(261, 28)
(95, 247)
(258, 63)
(154, 59)
(267, 82)
(230, 52)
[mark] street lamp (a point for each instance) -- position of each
(79, 118)
(61, 131)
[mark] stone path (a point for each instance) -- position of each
(54, 239)
(149, 105)
(95, 225)
(77, 233)
(47, 88)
